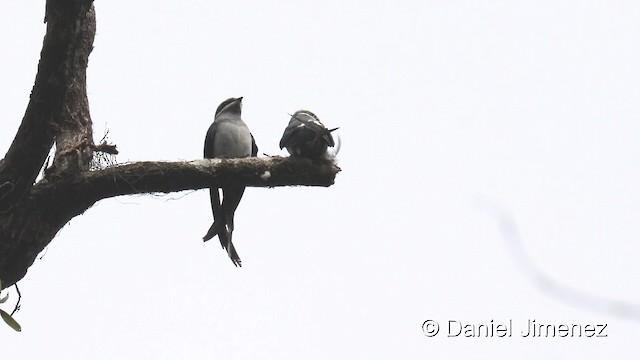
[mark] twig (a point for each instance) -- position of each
(17, 307)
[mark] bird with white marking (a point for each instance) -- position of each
(227, 137)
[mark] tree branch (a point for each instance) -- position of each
(165, 177)
(53, 202)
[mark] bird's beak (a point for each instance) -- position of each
(239, 99)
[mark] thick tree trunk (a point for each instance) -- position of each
(58, 109)
(58, 112)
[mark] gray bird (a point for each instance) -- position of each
(227, 137)
(306, 136)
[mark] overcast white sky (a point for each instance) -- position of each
(532, 106)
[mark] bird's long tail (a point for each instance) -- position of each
(230, 201)
(223, 219)
(233, 254)
(218, 216)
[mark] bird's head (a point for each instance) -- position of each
(303, 115)
(231, 105)
(307, 118)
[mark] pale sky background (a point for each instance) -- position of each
(532, 106)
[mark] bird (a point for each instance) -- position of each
(305, 136)
(227, 137)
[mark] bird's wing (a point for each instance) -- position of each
(209, 141)
(291, 132)
(214, 194)
(254, 147)
(313, 124)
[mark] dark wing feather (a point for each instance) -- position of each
(209, 140)
(254, 147)
(293, 128)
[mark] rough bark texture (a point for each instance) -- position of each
(58, 112)
(58, 101)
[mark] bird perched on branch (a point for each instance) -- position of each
(306, 136)
(227, 137)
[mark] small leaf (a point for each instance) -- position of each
(10, 321)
